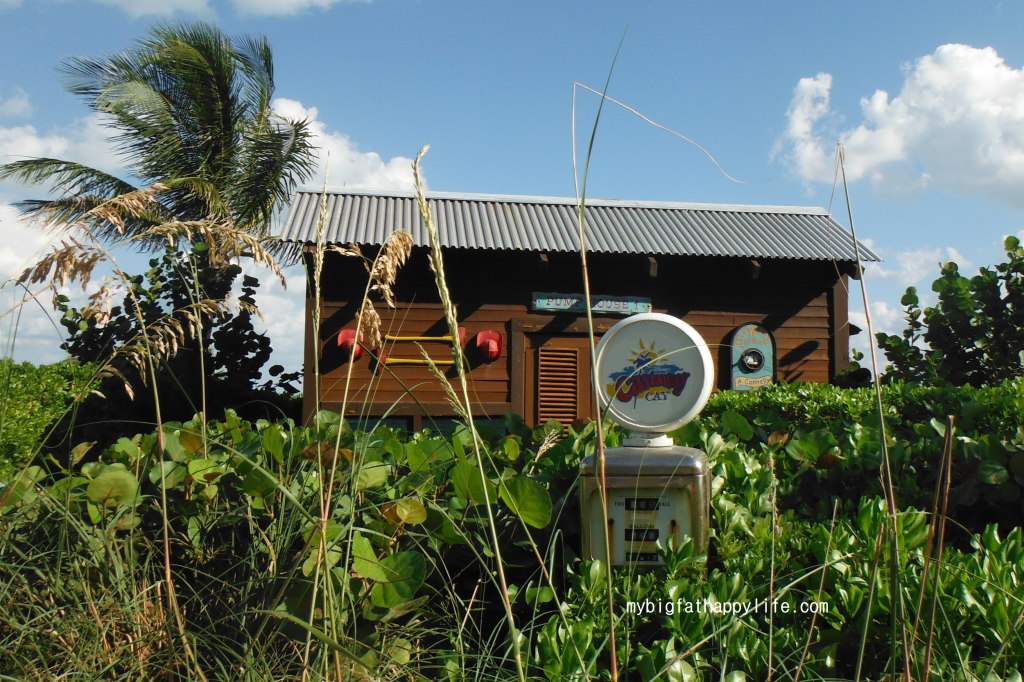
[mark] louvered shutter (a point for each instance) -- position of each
(558, 391)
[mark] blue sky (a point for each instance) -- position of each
(927, 97)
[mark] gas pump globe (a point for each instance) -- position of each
(655, 374)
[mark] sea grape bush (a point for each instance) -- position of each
(833, 444)
(974, 334)
(397, 571)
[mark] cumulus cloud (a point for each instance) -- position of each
(16, 105)
(140, 8)
(27, 327)
(345, 165)
(31, 325)
(956, 125)
(884, 318)
(85, 141)
(915, 267)
(280, 7)
(283, 313)
(808, 151)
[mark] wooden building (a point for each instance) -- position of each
(514, 272)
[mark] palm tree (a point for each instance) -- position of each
(189, 108)
(208, 161)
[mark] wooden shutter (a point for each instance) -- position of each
(558, 385)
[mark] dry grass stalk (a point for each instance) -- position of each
(369, 324)
(393, 255)
(160, 341)
(69, 261)
(225, 243)
(383, 271)
(450, 395)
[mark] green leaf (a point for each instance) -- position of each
(411, 510)
(273, 441)
(528, 499)
(511, 448)
(734, 422)
(258, 483)
(364, 559)
(372, 475)
(205, 470)
(116, 486)
(172, 474)
(404, 573)
(22, 488)
(465, 476)
(990, 471)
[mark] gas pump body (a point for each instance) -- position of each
(668, 499)
(655, 374)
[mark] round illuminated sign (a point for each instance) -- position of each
(655, 372)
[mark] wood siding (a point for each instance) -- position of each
(803, 303)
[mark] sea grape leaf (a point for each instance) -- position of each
(528, 499)
(404, 573)
(114, 485)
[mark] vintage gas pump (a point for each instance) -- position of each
(655, 374)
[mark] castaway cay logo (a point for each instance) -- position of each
(649, 376)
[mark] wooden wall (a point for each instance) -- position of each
(803, 303)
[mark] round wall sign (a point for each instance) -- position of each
(655, 372)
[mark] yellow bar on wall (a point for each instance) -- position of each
(389, 337)
(416, 361)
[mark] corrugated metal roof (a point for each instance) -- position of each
(476, 221)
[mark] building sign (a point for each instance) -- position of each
(753, 357)
(604, 305)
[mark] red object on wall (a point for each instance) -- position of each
(489, 345)
(347, 342)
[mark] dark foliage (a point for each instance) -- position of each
(224, 365)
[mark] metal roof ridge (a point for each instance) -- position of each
(569, 201)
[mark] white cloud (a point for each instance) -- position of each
(32, 327)
(912, 268)
(17, 105)
(283, 313)
(346, 166)
(280, 7)
(139, 8)
(27, 331)
(884, 318)
(808, 151)
(85, 141)
(956, 125)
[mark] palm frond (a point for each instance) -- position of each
(66, 177)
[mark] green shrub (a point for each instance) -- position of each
(32, 398)
(342, 554)
(833, 445)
